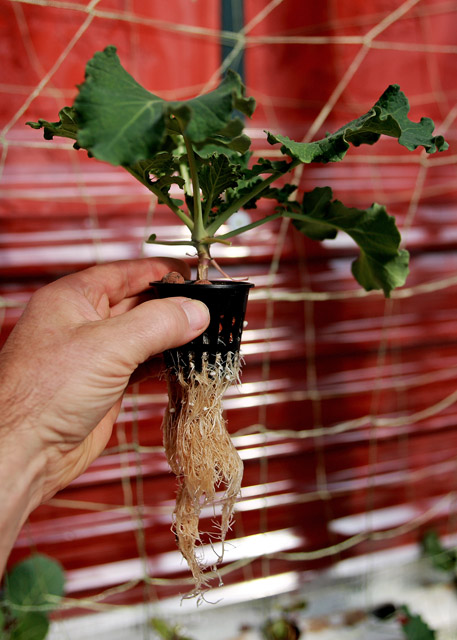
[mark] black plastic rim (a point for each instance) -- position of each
(226, 301)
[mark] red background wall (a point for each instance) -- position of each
(319, 353)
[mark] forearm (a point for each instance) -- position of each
(20, 487)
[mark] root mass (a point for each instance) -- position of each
(202, 456)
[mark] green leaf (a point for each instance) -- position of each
(162, 628)
(165, 182)
(240, 144)
(2, 620)
(119, 121)
(315, 205)
(164, 167)
(230, 147)
(165, 631)
(265, 166)
(414, 627)
(331, 149)
(377, 272)
(281, 195)
(233, 129)
(66, 127)
(32, 626)
(31, 581)
(441, 558)
(250, 178)
(212, 148)
(380, 265)
(215, 176)
(280, 629)
(243, 188)
(389, 116)
(163, 164)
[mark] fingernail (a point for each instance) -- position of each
(197, 313)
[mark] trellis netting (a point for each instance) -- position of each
(346, 416)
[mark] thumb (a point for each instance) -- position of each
(154, 326)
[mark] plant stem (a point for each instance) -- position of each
(204, 260)
(184, 172)
(172, 243)
(162, 197)
(248, 227)
(198, 231)
(207, 211)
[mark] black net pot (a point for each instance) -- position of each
(226, 301)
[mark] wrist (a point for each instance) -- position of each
(21, 480)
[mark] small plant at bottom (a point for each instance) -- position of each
(414, 628)
(412, 625)
(166, 631)
(282, 628)
(32, 589)
(440, 557)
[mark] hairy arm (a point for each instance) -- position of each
(64, 370)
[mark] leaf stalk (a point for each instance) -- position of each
(248, 227)
(198, 231)
(162, 197)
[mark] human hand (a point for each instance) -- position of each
(68, 361)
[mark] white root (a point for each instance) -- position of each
(201, 454)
